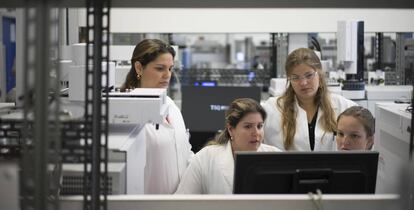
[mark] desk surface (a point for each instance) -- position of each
(398, 109)
(241, 202)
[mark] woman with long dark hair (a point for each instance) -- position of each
(211, 170)
(168, 149)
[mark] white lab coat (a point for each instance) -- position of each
(211, 170)
(324, 141)
(168, 152)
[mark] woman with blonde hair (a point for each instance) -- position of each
(304, 117)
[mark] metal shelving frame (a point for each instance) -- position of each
(38, 135)
(37, 140)
(96, 105)
(40, 156)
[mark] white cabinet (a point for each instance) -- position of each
(392, 140)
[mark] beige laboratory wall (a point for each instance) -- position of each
(194, 20)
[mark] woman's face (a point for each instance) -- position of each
(248, 133)
(305, 81)
(351, 135)
(157, 73)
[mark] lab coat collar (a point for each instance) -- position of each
(170, 122)
(334, 105)
(319, 132)
(297, 103)
(227, 163)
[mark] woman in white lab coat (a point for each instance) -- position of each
(304, 117)
(211, 170)
(168, 149)
(356, 129)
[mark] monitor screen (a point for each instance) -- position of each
(303, 172)
(203, 108)
(206, 83)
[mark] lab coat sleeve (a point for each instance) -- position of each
(341, 103)
(269, 131)
(191, 182)
(182, 137)
(349, 103)
(272, 127)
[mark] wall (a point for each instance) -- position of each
(197, 20)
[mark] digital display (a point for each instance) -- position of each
(204, 108)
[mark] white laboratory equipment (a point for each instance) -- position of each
(72, 178)
(376, 77)
(76, 72)
(392, 139)
(128, 113)
(390, 93)
(65, 67)
(277, 86)
(138, 106)
(77, 80)
(350, 51)
(121, 71)
(121, 53)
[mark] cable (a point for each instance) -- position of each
(316, 199)
(316, 45)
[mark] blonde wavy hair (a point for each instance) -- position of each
(286, 103)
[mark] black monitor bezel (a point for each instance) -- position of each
(337, 165)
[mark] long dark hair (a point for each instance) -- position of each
(145, 51)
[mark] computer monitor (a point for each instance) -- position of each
(203, 108)
(303, 172)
